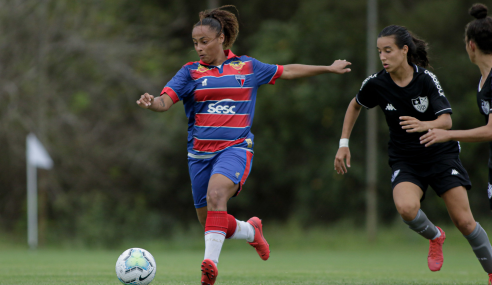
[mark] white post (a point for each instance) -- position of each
(32, 206)
(36, 156)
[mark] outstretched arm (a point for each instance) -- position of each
(480, 134)
(293, 71)
(413, 125)
(343, 153)
(159, 104)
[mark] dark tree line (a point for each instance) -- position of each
(71, 72)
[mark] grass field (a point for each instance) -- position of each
(318, 257)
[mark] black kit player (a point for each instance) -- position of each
(413, 102)
(478, 39)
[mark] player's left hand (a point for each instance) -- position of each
(340, 66)
(413, 125)
(435, 136)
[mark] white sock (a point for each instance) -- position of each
(437, 235)
(244, 230)
(213, 245)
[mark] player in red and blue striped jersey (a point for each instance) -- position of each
(219, 95)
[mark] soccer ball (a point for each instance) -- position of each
(135, 266)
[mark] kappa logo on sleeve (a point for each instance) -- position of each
(393, 177)
(436, 82)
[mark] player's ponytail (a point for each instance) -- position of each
(480, 29)
(417, 48)
(221, 21)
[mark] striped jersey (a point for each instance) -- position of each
(219, 101)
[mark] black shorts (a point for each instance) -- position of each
(441, 176)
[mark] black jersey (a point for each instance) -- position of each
(484, 98)
(423, 98)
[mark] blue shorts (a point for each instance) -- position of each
(234, 163)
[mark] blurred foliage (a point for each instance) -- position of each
(71, 72)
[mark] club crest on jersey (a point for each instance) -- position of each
(237, 65)
(201, 68)
(240, 79)
(485, 107)
(420, 104)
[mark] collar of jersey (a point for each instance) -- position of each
(227, 53)
(415, 68)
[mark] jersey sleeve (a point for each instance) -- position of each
(266, 73)
(437, 99)
(367, 97)
(180, 86)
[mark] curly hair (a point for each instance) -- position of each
(221, 21)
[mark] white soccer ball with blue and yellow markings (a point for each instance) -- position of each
(135, 266)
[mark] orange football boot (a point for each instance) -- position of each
(259, 243)
(435, 258)
(209, 272)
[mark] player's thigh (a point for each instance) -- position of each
(200, 171)
(234, 164)
(220, 187)
(408, 189)
(406, 196)
(458, 206)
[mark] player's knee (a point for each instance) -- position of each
(465, 226)
(408, 211)
(216, 196)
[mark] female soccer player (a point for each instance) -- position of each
(413, 102)
(478, 39)
(219, 94)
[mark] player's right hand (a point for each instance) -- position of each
(343, 154)
(340, 66)
(145, 101)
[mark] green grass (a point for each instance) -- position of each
(337, 256)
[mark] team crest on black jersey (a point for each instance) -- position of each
(240, 79)
(485, 107)
(420, 104)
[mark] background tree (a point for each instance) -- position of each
(71, 72)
